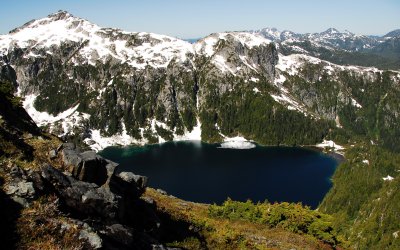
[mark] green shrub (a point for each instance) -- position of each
(289, 216)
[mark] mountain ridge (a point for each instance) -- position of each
(342, 48)
(62, 39)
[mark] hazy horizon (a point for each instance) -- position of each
(190, 19)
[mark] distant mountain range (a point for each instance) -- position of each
(340, 47)
(345, 48)
(330, 38)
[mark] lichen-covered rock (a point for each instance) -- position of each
(20, 187)
(91, 237)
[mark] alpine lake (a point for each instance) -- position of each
(207, 173)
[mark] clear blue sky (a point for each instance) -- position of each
(197, 18)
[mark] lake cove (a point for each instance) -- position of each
(208, 173)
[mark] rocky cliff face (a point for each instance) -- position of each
(106, 86)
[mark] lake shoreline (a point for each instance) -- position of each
(339, 157)
(207, 173)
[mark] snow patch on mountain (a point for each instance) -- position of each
(98, 142)
(237, 142)
(44, 118)
(280, 79)
(221, 64)
(194, 135)
(270, 33)
(388, 178)
(208, 45)
(245, 61)
(289, 102)
(67, 119)
(330, 144)
(249, 40)
(289, 64)
(355, 103)
(254, 79)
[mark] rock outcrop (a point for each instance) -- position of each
(21, 187)
(92, 190)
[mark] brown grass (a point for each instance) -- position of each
(41, 227)
(42, 147)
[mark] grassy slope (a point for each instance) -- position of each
(21, 143)
(42, 225)
(220, 233)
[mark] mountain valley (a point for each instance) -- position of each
(97, 87)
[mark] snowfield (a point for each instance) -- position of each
(330, 144)
(237, 143)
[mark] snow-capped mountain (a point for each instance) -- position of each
(330, 38)
(96, 43)
(339, 47)
(106, 86)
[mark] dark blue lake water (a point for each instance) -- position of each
(205, 173)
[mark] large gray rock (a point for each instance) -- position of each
(129, 177)
(20, 187)
(93, 168)
(128, 184)
(120, 234)
(21, 191)
(55, 177)
(71, 158)
(102, 202)
(84, 197)
(88, 166)
(68, 145)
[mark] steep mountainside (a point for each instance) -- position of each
(113, 87)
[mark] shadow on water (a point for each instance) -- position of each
(10, 212)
